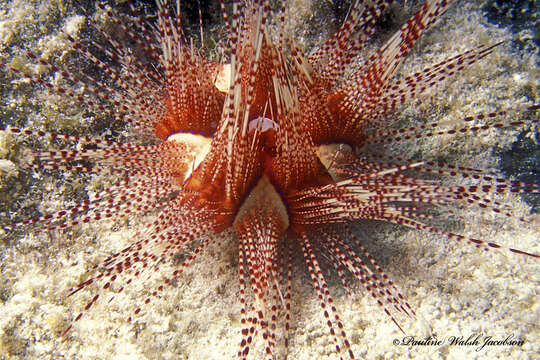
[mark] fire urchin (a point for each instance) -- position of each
(273, 145)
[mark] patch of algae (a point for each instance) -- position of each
(455, 290)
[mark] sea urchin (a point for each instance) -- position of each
(272, 145)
